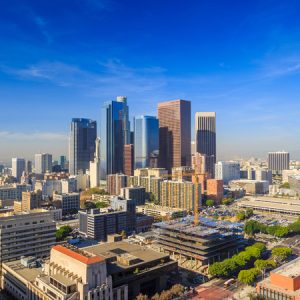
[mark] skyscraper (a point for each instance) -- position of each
(146, 140)
(114, 134)
(18, 167)
(128, 159)
(174, 133)
(205, 131)
(278, 161)
(95, 166)
(43, 163)
(82, 144)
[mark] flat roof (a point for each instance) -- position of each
(284, 205)
(78, 254)
(28, 274)
(110, 250)
(291, 269)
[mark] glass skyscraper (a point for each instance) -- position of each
(82, 144)
(114, 134)
(146, 140)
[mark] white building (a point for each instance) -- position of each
(18, 167)
(95, 170)
(43, 163)
(227, 171)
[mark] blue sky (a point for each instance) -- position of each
(63, 59)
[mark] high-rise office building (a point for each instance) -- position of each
(205, 131)
(43, 163)
(114, 134)
(227, 171)
(95, 170)
(31, 200)
(278, 161)
(28, 167)
(62, 161)
(115, 182)
(174, 133)
(146, 133)
(128, 159)
(82, 144)
(18, 167)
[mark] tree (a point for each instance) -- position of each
(285, 185)
(227, 201)
(262, 265)
(210, 202)
(248, 213)
(89, 205)
(281, 253)
(101, 205)
(63, 232)
(241, 215)
(261, 246)
(248, 276)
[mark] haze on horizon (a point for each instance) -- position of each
(240, 59)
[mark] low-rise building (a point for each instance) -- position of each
(158, 211)
(136, 193)
(283, 282)
(251, 186)
(67, 202)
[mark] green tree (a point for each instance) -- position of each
(101, 204)
(63, 232)
(227, 201)
(210, 202)
(248, 276)
(248, 212)
(89, 205)
(241, 215)
(262, 264)
(281, 253)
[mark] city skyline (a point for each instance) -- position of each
(244, 71)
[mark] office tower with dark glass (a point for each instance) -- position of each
(205, 130)
(174, 133)
(114, 134)
(146, 133)
(43, 163)
(278, 161)
(82, 144)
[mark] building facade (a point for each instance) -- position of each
(174, 134)
(278, 161)
(146, 140)
(114, 134)
(205, 131)
(115, 182)
(81, 144)
(18, 167)
(95, 167)
(227, 171)
(128, 159)
(43, 163)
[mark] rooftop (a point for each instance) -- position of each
(112, 250)
(77, 254)
(28, 274)
(291, 269)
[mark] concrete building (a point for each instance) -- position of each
(146, 140)
(98, 225)
(13, 192)
(95, 167)
(180, 194)
(31, 200)
(250, 186)
(174, 134)
(26, 234)
(227, 171)
(48, 187)
(128, 159)
(70, 273)
(287, 173)
(283, 282)
(278, 161)
(203, 164)
(115, 182)
(67, 202)
(263, 174)
(18, 167)
(69, 185)
(215, 190)
(28, 168)
(129, 207)
(136, 193)
(151, 172)
(158, 211)
(205, 131)
(294, 182)
(83, 133)
(114, 134)
(183, 173)
(43, 163)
